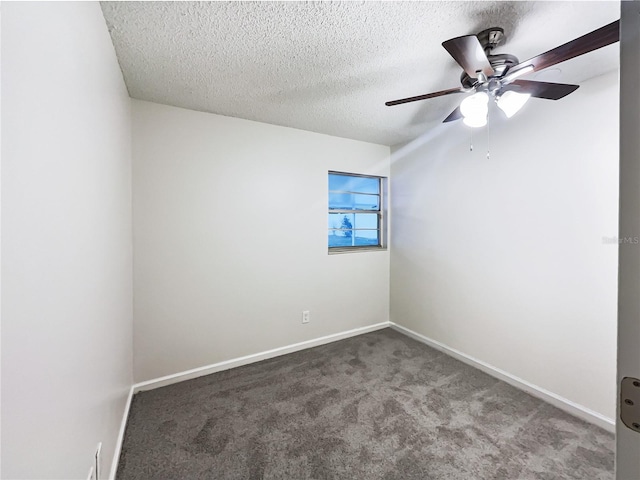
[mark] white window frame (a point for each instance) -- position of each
(382, 214)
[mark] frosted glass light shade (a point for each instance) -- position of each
(510, 102)
(474, 109)
(475, 105)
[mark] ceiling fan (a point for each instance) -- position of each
(498, 76)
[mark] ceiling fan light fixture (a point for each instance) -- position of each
(511, 102)
(474, 105)
(474, 109)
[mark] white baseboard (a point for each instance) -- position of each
(256, 357)
(549, 397)
(118, 448)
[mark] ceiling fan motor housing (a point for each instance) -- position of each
(501, 62)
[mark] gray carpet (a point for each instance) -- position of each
(376, 406)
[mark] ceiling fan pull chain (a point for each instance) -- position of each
(471, 140)
(488, 143)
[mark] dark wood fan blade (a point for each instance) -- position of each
(550, 91)
(587, 43)
(424, 97)
(469, 54)
(455, 115)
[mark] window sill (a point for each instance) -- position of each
(341, 250)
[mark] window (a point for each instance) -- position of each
(356, 212)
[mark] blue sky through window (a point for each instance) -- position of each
(348, 183)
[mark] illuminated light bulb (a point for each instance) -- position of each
(474, 109)
(474, 105)
(510, 102)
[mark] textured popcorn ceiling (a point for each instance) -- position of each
(329, 67)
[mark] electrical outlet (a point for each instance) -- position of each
(306, 316)
(98, 461)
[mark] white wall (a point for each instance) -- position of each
(503, 258)
(230, 239)
(66, 246)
